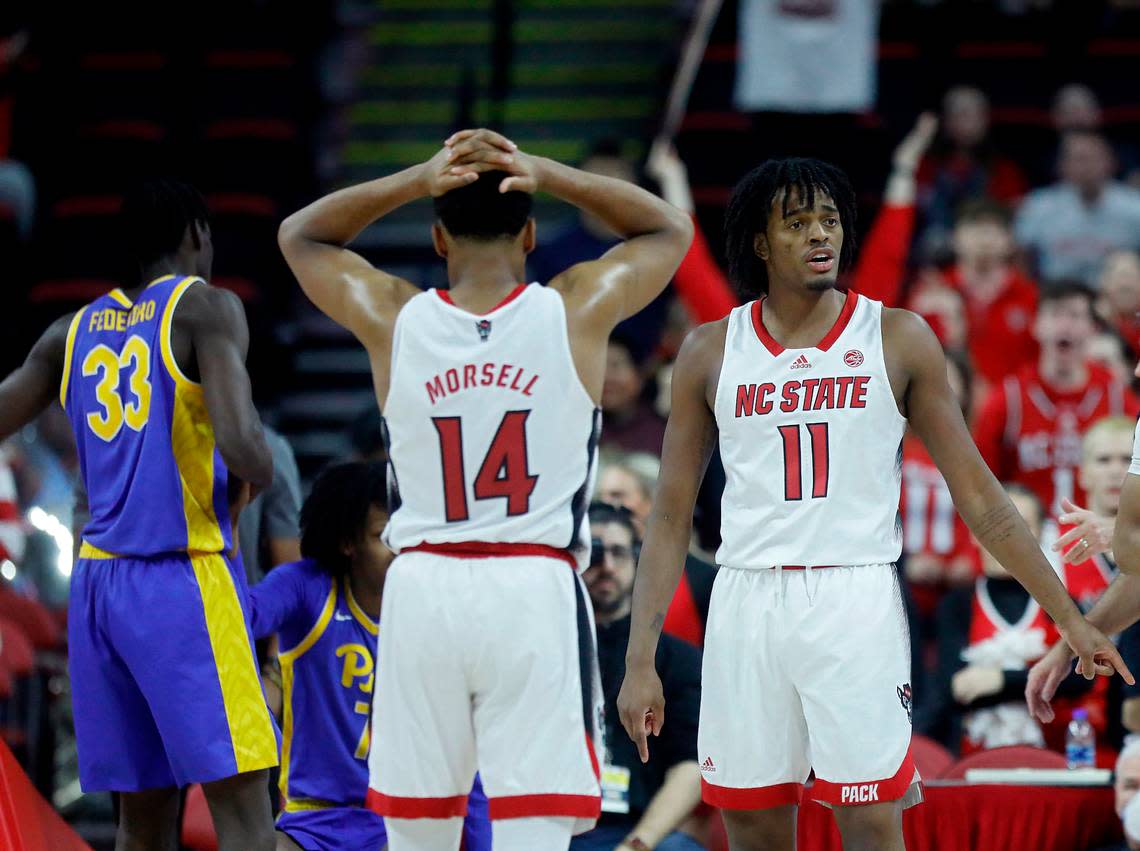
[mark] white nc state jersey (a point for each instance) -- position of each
(811, 441)
(491, 436)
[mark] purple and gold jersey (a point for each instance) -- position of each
(156, 482)
(327, 646)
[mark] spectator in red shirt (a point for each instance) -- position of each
(1030, 426)
(1000, 301)
(964, 164)
(1118, 300)
(939, 550)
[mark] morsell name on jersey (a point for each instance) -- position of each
(811, 394)
(488, 374)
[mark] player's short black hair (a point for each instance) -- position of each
(337, 510)
(751, 204)
(480, 211)
(155, 215)
(1063, 288)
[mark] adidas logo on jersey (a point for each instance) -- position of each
(801, 363)
(707, 765)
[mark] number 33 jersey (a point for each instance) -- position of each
(155, 480)
(811, 443)
(491, 436)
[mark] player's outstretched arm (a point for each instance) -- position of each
(33, 385)
(345, 286)
(689, 440)
(936, 418)
(215, 320)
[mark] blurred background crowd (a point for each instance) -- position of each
(993, 145)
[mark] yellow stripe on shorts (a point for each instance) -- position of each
(251, 731)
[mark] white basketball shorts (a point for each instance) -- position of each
(485, 662)
(806, 669)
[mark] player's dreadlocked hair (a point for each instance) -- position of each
(337, 510)
(480, 211)
(155, 215)
(751, 204)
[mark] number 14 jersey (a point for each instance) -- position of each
(491, 436)
(811, 441)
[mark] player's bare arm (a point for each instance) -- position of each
(689, 441)
(346, 287)
(918, 376)
(33, 385)
(599, 293)
(213, 320)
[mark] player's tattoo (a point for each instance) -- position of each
(657, 622)
(997, 524)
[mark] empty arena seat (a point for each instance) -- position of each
(1014, 756)
(930, 758)
(197, 824)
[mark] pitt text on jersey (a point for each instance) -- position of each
(471, 375)
(811, 394)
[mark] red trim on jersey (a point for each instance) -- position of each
(759, 798)
(391, 806)
(482, 549)
(841, 323)
(890, 789)
(804, 566)
(533, 806)
(593, 757)
(511, 296)
(823, 345)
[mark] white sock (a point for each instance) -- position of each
(423, 834)
(548, 833)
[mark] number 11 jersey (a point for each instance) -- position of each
(811, 441)
(491, 436)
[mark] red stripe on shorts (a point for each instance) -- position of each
(481, 549)
(531, 806)
(758, 798)
(393, 807)
(874, 791)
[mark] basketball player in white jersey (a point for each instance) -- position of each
(809, 389)
(490, 396)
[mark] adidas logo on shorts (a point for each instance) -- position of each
(707, 765)
(801, 363)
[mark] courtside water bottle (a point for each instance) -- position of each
(1080, 741)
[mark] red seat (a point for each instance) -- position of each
(197, 823)
(16, 651)
(1014, 756)
(930, 758)
(32, 617)
(70, 289)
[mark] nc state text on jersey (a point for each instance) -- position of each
(811, 394)
(482, 375)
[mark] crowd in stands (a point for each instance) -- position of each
(1027, 269)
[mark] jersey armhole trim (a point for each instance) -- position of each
(165, 331)
(569, 349)
(392, 355)
(901, 417)
(294, 653)
(68, 350)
